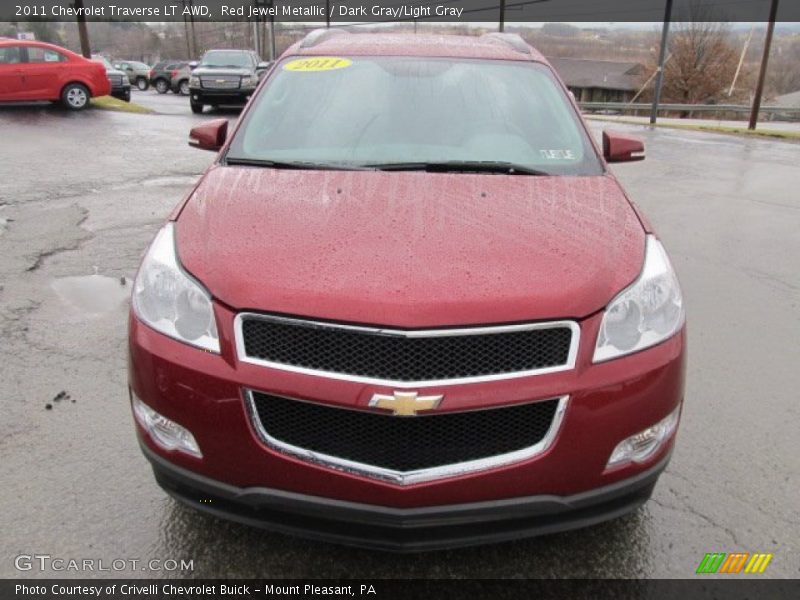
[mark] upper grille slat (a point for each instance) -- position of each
(406, 357)
(227, 82)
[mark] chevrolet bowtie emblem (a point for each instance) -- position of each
(405, 404)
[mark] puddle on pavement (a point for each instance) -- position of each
(92, 295)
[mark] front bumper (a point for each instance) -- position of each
(608, 402)
(121, 91)
(210, 96)
(404, 529)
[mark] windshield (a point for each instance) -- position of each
(222, 58)
(104, 60)
(393, 111)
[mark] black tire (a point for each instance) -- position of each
(197, 107)
(183, 87)
(142, 84)
(75, 96)
(162, 86)
(126, 96)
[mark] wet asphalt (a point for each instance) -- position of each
(82, 194)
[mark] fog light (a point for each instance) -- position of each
(164, 432)
(638, 448)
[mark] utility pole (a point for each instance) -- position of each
(271, 38)
(83, 32)
(762, 75)
(328, 13)
(194, 38)
(741, 60)
(662, 53)
(502, 24)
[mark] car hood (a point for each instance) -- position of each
(410, 249)
(209, 71)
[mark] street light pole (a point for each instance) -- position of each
(502, 24)
(662, 53)
(762, 74)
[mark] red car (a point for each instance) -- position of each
(408, 306)
(33, 71)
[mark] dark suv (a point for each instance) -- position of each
(169, 75)
(225, 77)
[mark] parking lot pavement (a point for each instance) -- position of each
(81, 196)
(175, 104)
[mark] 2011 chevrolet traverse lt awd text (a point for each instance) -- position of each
(408, 306)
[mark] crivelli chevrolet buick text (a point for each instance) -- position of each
(408, 306)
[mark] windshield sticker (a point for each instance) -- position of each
(558, 154)
(317, 63)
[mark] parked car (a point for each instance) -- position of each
(138, 72)
(169, 75)
(180, 78)
(225, 77)
(32, 71)
(120, 86)
(408, 306)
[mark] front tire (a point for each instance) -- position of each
(162, 87)
(142, 84)
(197, 107)
(126, 96)
(75, 96)
(183, 87)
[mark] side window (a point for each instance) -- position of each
(10, 55)
(37, 55)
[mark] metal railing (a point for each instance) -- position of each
(768, 112)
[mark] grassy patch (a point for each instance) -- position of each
(768, 133)
(111, 103)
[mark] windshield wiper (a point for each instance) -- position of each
(300, 164)
(461, 166)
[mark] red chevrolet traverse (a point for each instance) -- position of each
(408, 306)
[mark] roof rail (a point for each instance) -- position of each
(510, 39)
(317, 36)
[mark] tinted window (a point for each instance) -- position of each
(405, 109)
(10, 54)
(227, 58)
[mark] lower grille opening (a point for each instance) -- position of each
(402, 444)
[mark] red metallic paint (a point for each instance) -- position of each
(410, 249)
(45, 80)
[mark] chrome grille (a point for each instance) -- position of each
(220, 82)
(116, 80)
(406, 357)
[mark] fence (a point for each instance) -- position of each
(768, 113)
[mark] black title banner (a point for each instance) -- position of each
(440, 589)
(388, 11)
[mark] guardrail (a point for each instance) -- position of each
(769, 112)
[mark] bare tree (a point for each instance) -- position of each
(701, 65)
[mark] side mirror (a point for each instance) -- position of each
(263, 66)
(193, 64)
(209, 136)
(618, 147)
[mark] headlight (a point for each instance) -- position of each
(646, 313)
(250, 81)
(169, 300)
(194, 81)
